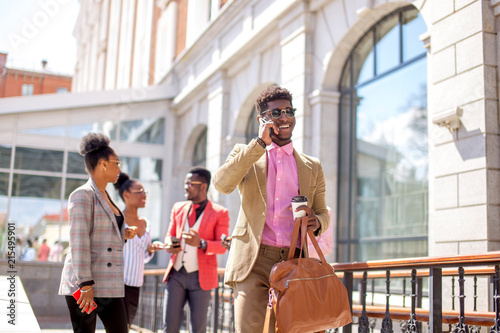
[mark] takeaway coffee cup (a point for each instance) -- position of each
(297, 202)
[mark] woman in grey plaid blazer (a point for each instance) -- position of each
(95, 260)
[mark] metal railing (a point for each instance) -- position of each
(425, 291)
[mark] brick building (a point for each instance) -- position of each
(21, 82)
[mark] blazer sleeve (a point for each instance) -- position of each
(237, 165)
(221, 227)
(319, 203)
(81, 214)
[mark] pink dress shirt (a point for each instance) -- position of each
(282, 185)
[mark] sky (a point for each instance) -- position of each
(33, 30)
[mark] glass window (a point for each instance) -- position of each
(145, 168)
(200, 149)
(252, 130)
(5, 153)
(38, 159)
(148, 130)
(388, 44)
(107, 127)
(76, 163)
(27, 89)
(71, 185)
(49, 131)
(62, 90)
(4, 184)
(383, 167)
(42, 194)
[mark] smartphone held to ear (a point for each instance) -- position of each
(77, 294)
(263, 121)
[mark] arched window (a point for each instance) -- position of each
(200, 149)
(383, 166)
(252, 129)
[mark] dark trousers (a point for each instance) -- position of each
(185, 287)
(111, 311)
(131, 302)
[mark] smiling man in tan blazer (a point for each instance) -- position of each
(268, 173)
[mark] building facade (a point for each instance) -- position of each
(21, 82)
(398, 99)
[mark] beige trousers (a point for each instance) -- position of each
(252, 294)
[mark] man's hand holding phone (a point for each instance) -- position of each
(173, 245)
(266, 130)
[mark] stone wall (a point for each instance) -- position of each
(41, 283)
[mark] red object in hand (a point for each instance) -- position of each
(77, 294)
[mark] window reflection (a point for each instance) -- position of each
(71, 185)
(5, 153)
(38, 159)
(49, 131)
(388, 45)
(106, 127)
(252, 130)
(146, 168)
(41, 194)
(383, 133)
(76, 163)
(147, 130)
(200, 149)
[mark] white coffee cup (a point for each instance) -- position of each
(297, 202)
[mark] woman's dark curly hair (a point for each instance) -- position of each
(269, 94)
(123, 184)
(95, 147)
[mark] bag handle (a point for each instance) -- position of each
(301, 224)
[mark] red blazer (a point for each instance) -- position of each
(214, 223)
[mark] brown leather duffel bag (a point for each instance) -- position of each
(305, 293)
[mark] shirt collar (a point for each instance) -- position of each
(288, 148)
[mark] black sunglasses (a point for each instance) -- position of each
(276, 113)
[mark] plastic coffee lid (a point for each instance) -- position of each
(299, 198)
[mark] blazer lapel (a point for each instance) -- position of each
(261, 174)
(185, 211)
(105, 206)
(207, 217)
(304, 170)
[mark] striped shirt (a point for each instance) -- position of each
(135, 255)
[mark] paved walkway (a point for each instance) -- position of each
(16, 314)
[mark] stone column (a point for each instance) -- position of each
(324, 143)
(463, 163)
(296, 69)
(217, 125)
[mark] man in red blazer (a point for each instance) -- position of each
(193, 239)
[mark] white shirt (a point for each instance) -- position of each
(135, 255)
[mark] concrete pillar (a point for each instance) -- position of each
(324, 143)
(296, 69)
(463, 163)
(217, 125)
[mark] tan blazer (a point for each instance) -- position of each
(246, 167)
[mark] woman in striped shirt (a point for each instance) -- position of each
(138, 250)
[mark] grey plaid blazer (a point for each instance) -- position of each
(96, 245)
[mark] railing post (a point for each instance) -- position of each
(461, 326)
(496, 287)
(363, 324)
(412, 326)
(215, 309)
(348, 283)
(155, 303)
(436, 300)
(387, 321)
